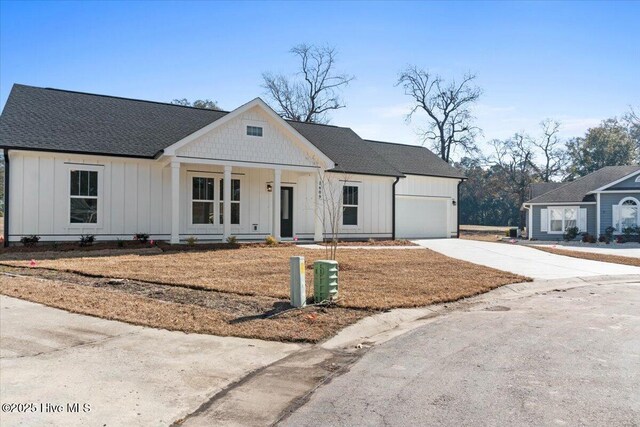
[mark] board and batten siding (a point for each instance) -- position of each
(433, 187)
(542, 235)
(135, 197)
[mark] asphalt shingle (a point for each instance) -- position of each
(578, 190)
(57, 120)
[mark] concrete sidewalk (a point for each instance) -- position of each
(129, 375)
(523, 260)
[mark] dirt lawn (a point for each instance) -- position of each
(242, 292)
(616, 259)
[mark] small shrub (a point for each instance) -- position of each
(55, 245)
(141, 237)
(192, 240)
(270, 240)
(570, 233)
(620, 239)
(120, 243)
(232, 240)
(30, 240)
(603, 239)
(588, 238)
(87, 239)
(609, 232)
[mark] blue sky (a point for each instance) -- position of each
(576, 62)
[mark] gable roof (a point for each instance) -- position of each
(414, 160)
(539, 188)
(350, 152)
(56, 120)
(580, 189)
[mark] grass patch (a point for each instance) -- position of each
(236, 292)
(615, 259)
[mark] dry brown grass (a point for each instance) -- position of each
(311, 324)
(616, 259)
(369, 279)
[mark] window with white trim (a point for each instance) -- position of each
(628, 213)
(254, 130)
(83, 195)
(202, 200)
(561, 218)
(235, 201)
(350, 205)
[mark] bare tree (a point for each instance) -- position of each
(553, 150)
(513, 160)
(448, 107)
(315, 89)
(332, 208)
(198, 103)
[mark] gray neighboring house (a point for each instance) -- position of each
(608, 197)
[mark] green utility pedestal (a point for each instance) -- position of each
(325, 280)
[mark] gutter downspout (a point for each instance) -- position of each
(6, 197)
(458, 210)
(393, 208)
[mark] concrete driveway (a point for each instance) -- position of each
(523, 260)
(129, 375)
(559, 356)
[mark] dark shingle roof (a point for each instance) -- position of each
(577, 191)
(539, 188)
(342, 145)
(56, 120)
(64, 121)
(414, 160)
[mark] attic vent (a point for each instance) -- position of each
(254, 131)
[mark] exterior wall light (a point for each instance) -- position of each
(453, 202)
(269, 188)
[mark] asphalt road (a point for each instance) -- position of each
(555, 358)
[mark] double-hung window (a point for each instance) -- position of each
(235, 201)
(350, 205)
(202, 200)
(83, 204)
(561, 218)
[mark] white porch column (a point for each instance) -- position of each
(318, 208)
(277, 174)
(175, 202)
(226, 216)
(597, 215)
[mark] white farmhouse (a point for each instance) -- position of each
(79, 163)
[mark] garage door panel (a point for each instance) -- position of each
(421, 217)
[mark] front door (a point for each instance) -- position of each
(286, 211)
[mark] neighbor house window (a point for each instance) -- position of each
(254, 131)
(84, 197)
(562, 218)
(235, 201)
(349, 205)
(628, 214)
(202, 200)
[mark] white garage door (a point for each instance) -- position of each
(421, 217)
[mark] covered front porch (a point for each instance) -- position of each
(213, 200)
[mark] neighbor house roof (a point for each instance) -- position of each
(414, 160)
(63, 121)
(539, 188)
(578, 190)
